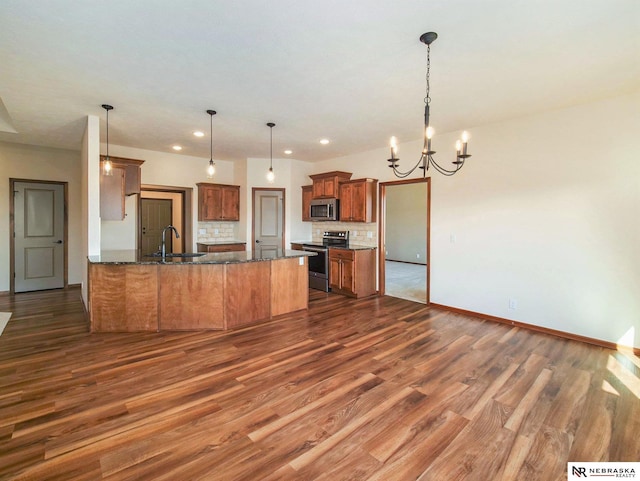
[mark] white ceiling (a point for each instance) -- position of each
(351, 71)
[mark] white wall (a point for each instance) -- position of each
(161, 168)
(39, 163)
(90, 200)
(546, 212)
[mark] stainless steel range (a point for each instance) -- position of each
(319, 264)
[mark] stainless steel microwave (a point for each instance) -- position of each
(325, 209)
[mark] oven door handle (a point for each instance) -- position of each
(314, 249)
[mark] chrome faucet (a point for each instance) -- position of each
(163, 248)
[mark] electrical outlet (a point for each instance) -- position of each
(202, 231)
(215, 231)
(453, 238)
(370, 235)
(417, 256)
(513, 303)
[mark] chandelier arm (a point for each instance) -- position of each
(444, 171)
(401, 174)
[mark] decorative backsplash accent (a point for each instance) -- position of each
(216, 231)
(359, 232)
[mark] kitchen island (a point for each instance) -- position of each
(130, 292)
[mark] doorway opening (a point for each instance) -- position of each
(38, 247)
(267, 233)
(404, 237)
(160, 206)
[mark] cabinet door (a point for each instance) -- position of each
(318, 188)
(230, 205)
(307, 195)
(335, 274)
(330, 187)
(211, 203)
(358, 202)
(348, 276)
(346, 202)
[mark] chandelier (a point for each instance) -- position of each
(426, 158)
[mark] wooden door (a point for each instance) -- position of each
(268, 221)
(39, 235)
(155, 215)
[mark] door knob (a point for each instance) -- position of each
(257, 241)
(57, 242)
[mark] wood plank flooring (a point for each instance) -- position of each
(369, 389)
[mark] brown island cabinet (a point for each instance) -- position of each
(214, 291)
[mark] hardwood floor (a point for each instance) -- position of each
(369, 389)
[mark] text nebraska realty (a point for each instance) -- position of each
(615, 472)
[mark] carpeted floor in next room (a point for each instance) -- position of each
(406, 281)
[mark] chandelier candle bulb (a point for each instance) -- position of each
(458, 146)
(394, 148)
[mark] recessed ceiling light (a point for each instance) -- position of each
(197, 133)
(324, 141)
(176, 147)
(288, 152)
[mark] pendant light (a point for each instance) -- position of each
(211, 169)
(270, 175)
(107, 168)
(426, 158)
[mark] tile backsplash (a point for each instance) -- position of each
(216, 231)
(365, 234)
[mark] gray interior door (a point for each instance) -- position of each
(39, 236)
(155, 215)
(268, 221)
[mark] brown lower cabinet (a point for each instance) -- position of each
(352, 272)
(132, 297)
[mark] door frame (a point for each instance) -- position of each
(186, 228)
(382, 212)
(253, 212)
(12, 248)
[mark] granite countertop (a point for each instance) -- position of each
(134, 257)
(221, 242)
(350, 246)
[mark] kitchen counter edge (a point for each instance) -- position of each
(133, 257)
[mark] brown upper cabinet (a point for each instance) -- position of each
(218, 202)
(125, 180)
(327, 184)
(307, 195)
(358, 200)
